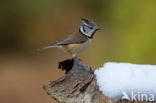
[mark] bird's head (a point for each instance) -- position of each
(88, 28)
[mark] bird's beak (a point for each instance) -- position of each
(98, 28)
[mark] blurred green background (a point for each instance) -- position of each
(128, 34)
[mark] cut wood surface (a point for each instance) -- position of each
(78, 85)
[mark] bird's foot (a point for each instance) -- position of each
(75, 58)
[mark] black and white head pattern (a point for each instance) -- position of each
(88, 28)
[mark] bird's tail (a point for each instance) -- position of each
(47, 47)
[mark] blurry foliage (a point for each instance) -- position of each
(128, 27)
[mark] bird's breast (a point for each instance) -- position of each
(77, 47)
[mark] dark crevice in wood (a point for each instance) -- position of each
(82, 90)
(66, 65)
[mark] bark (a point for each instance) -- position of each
(78, 85)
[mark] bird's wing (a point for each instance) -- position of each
(73, 39)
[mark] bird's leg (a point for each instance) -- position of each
(73, 55)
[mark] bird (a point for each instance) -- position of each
(77, 41)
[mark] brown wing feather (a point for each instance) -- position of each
(75, 38)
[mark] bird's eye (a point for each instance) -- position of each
(90, 27)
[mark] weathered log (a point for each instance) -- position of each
(78, 85)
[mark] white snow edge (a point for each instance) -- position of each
(119, 80)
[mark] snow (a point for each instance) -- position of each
(126, 80)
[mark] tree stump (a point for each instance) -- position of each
(78, 85)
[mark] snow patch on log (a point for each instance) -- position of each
(125, 80)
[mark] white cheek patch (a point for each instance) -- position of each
(89, 34)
